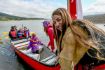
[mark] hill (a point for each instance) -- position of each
(4, 16)
(100, 18)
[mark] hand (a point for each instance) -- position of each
(57, 58)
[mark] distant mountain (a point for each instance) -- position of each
(100, 18)
(4, 16)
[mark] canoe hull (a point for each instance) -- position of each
(35, 64)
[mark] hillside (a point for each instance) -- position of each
(4, 16)
(100, 18)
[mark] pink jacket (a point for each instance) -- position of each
(51, 37)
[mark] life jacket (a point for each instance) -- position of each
(13, 33)
(26, 33)
(20, 34)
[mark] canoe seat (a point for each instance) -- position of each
(19, 41)
(22, 47)
(26, 51)
(49, 60)
(22, 44)
(34, 56)
(30, 54)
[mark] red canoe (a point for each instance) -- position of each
(43, 61)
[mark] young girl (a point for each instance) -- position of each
(49, 32)
(80, 43)
(34, 44)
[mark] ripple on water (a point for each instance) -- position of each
(8, 59)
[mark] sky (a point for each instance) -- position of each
(31, 8)
(44, 8)
(93, 7)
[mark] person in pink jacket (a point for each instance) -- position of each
(48, 29)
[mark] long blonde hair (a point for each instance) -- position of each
(66, 19)
(94, 34)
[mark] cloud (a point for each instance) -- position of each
(98, 7)
(31, 8)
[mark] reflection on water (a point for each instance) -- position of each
(8, 59)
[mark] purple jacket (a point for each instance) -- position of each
(34, 42)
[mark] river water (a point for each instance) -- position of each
(8, 60)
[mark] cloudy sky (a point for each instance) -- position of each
(44, 8)
(93, 7)
(31, 8)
